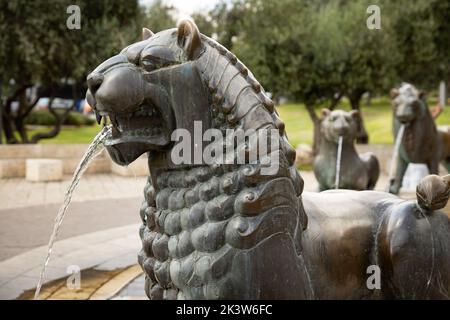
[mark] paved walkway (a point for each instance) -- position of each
(100, 228)
(106, 250)
(19, 193)
(23, 229)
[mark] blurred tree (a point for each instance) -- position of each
(160, 16)
(357, 59)
(413, 29)
(204, 23)
(280, 49)
(441, 37)
(39, 50)
(422, 32)
(317, 51)
(227, 17)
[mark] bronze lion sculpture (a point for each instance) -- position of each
(227, 231)
(422, 142)
(357, 172)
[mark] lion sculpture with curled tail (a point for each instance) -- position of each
(228, 231)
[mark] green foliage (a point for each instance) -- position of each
(38, 49)
(311, 50)
(160, 17)
(45, 118)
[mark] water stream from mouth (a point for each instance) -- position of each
(338, 163)
(93, 150)
(398, 141)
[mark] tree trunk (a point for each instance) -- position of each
(362, 136)
(59, 120)
(335, 100)
(7, 117)
(1, 110)
(316, 123)
(8, 129)
(24, 110)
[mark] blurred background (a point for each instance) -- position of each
(307, 54)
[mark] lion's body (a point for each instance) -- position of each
(228, 231)
(379, 230)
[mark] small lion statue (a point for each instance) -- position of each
(357, 172)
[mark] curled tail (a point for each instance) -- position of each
(433, 192)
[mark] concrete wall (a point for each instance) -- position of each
(13, 159)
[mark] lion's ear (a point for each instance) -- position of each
(355, 114)
(446, 179)
(325, 112)
(422, 95)
(189, 38)
(146, 33)
(394, 93)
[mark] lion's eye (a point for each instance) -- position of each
(148, 65)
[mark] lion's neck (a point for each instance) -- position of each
(238, 99)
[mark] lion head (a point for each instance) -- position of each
(200, 212)
(408, 103)
(148, 90)
(338, 123)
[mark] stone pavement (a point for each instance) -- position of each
(100, 228)
(23, 229)
(19, 193)
(105, 250)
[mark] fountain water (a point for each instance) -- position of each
(338, 163)
(93, 150)
(398, 141)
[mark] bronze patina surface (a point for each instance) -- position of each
(422, 142)
(230, 232)
(357, 172)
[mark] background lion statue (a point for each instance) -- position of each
(227, 231)
(357, 172)
(422, 142)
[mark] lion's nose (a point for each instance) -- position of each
(341, 130)
(94, 81)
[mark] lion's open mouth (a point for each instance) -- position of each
(145, 124)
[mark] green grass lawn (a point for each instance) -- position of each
(83, 134)
(67, 135)
(377, 117)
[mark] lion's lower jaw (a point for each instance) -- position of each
(220, 233)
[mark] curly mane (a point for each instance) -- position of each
(197, 220)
